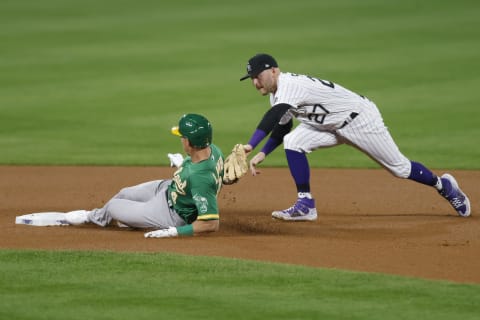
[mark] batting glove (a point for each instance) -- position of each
(162, 233)
(176, 159)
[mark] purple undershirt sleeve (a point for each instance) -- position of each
(256, 138)
(270, 145)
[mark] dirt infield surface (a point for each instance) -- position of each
(368, 220)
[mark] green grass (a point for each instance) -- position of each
(106, 285)
(101, 82)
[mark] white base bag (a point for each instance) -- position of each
(42, 219)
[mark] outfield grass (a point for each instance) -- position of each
(106, 285)
(101, 82)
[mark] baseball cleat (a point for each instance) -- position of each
(77, 217)
(302, 210)
(452, 192)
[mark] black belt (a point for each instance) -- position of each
(350, 118)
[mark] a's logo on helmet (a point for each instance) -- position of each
(249, 68)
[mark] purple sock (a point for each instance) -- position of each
(300, 170)
(421, 174)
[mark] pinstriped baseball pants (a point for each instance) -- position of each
(367, 132)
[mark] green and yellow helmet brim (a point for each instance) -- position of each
(176, 131)
(196, 128)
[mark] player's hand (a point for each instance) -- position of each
(248, 148)
(256, 160)
(176, 159)
(162, 233)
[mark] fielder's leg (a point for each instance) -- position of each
(369, 134)
(297, 144)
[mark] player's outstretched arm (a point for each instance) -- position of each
(196, 227)
(204, 226)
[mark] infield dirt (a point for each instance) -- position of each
(368, 220)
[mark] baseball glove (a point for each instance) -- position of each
(235, 165)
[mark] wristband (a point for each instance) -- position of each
(186, 230)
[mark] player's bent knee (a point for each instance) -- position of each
(291, 143)
(400, 171)
(123, 193)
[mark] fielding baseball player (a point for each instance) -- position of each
(185, 205)
(329, 115)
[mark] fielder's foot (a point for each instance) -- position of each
(302, 210)
(77, 217)
(454, 195)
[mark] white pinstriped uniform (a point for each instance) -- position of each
(325, 111)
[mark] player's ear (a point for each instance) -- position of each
(275, 71)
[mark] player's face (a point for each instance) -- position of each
(265, 82)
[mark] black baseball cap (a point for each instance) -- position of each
(258, 63)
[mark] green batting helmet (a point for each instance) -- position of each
(196, 128)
